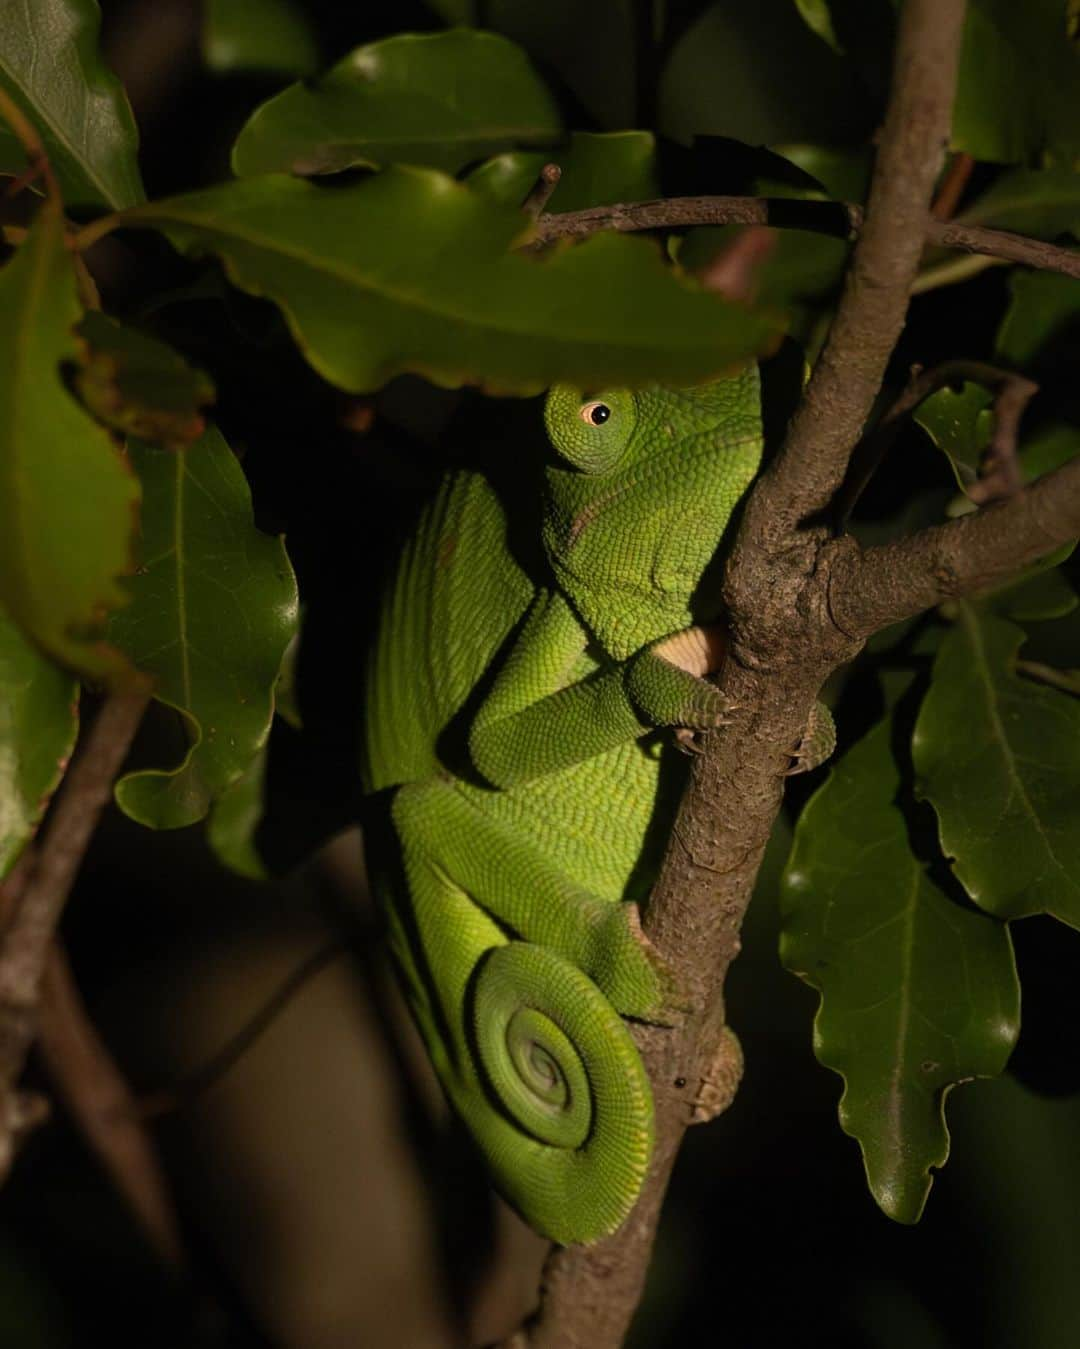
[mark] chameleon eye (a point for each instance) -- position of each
(595, 413)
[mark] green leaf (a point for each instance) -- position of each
(597, 170)
(68, 499)
(960, 425)
(234, 818)
(1042, 308)
(998, 757)
(1049, 448)
(1036, 598)
(1043, 203)
(138, 385)
(1018, 98)
(917, 992)
(440, 99)
(843, 173)
(39, 718)
(51, 66)
(214, 608)
(412, 271)
(272, 36)
(818, 19)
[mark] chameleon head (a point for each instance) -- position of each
(644, 489)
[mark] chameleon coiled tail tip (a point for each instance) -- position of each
(572, 1137)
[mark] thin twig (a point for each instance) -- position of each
(951, 187)
(82, 797)
(842, 220)
(103, 1108)
(540, 193)
(1000, 471)
(208, 1074)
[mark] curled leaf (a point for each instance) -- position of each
(213, 610)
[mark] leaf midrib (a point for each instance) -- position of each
(407, 300)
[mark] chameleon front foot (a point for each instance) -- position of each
(667, 680)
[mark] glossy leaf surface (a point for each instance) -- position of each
(917, 991)
(51, 65)
(960, 423)
(998, 757)
(68, 500)
(440, 99)
(214, 608)
(412, 271)
(38, 723)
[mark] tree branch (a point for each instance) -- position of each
(103, 1107)
(871, 588)
(841, 220)
(35, 912)
(783, 647)
(1000, 473)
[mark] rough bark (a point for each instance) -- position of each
(782, 649)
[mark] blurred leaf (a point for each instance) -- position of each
(1036, 599)
(757, 73)
(818, 19)
(440, 99)
(1049, 448)
(214, 608)
(589, 47)
(803, 267)
(917, 992)
(411, 271)
(1041, 308)
(51, 66)
(1018, 98)
(39, 718)
(843, 173)
(68, 500)
(234, 818)
(597, 170)
(260, 35)
(1043, 203)
(960, 425)
(998, 757)
(138, 385)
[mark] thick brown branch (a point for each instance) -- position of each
(848, 374)
(771, 677)
(842, 220)
(36, 911)
(870, 589)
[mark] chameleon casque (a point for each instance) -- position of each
(513, 705)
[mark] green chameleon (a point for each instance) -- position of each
(528, 652)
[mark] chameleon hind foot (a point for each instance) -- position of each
(817, 743)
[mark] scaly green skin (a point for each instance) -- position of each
(511, 883)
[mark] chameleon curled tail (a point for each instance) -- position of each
(564, 1114)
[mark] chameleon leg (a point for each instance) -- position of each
(514, 882)
(817, 743)
(534, 1057)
